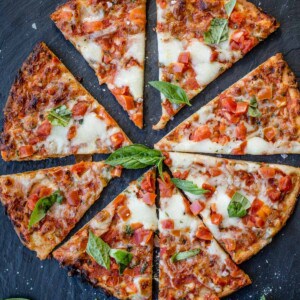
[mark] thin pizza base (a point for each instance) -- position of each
(129, 208)
(43, 84)
(187, 61)
(202, 131)
(80, 185)
(267, 221)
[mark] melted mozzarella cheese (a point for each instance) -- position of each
(136, 47)
(90, 50)
(225, 52)
(57, 142)
(133, 78)
(205, 114)
(257, 145)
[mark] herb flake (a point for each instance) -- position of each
(184, 255)
(188, 186)
(60, 116)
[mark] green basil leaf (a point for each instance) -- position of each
(135, 157)
(218, 31)
(60, 116)
(229, 6)
(98, 250)
(188, 186)
(173, 93)
(184, 255)
(122, 257)
(42, 206)
(238, 206)
(160, 168)
(253, 110)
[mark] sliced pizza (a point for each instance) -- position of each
(45, 205)
(192, 264)
(111, 37)
(199, 40)
(244, 204)
(114, 250)
(259, 114)
(49, 114)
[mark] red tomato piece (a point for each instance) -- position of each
(117, 140)
(142, 236)
(270, 133)
(79, 109)
(32, 200)
(148, 183)
(285, 183)
(267, 172)
(204, 234)
(79, 168)
(25, 151)
(178, 67)
(274, 194)
(229, 104)
(184, 57)
(166, 187)
(201, 133)
(149, 198)
(216, 218)
(209, 188)
(126, 101)
(241, 108)
(73, 198)
(124, 212)
(241, 131)
(167, 224)
(215, 171)
(44, 130)
(72, 132)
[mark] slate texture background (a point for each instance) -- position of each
(275, 270)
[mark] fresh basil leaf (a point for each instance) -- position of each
(128, 230)
(42, 206)
(263, 297)
(135, 157)
(238, 206)
(173, 93)
(229, 6)
(188, 186)
(253, 110)
(60, 116)
(218, 31)
(98, 250)
(160, 168)
(184, 255)
(122, 257)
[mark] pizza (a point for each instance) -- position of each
(45, 205)
(111, 37)
(199, 40)
(192, 264)
(245, 203)
(259, 114)
(114, 250)
(49, 114)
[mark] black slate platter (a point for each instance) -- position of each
(275, 271)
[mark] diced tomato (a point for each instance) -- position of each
(120, 199)
(232, 118)
(230, 244)
(240, 150)
(138, 15)
(181, 175)
(192, 84)
(204, 234)
(72, 132)
(124, 90)
(162, 3)
(270, 133)
(168, 107)
(79, 109)
(196, 207)
(237, 18)
(137, 119)
(184, 57)
(264, 93)
(148, 183)
(73, 198)
(25, 151)
(149, 198)
(216, 218)
(117, 140)
(124, 212)
(242, 40)
(167, 224)
(79, 168)
(214, 56)
(229, 104)
(267, 172)
(142, 236)
(201, 133)
(263, 212)
(178, 67)
(44, 191)
(117, 171)
(241, 131)
(90, 27)
(126, 101)
(44, 130)
(166, 187)
(209, 188)
(230, 192)
(241, 108)
(32, 200)
(215, 171)
(256, 206)
(285, 183)
(274, 194)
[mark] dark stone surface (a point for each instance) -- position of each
(274, 271)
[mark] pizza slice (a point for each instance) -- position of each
(49, 114)
(111, 37)
(244, 204)
(114, 250)
(192, 264)
(259, 114)
(199, 40)
(45, 205)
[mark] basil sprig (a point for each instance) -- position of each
(60, 116)
(42, 206)
(136, 157)
(122, 257)
(188, 186)
(101, 253)
(217, 32)
(173, 93)
(184, 255)
(229, 6)
(253, 110)
(238, 206)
